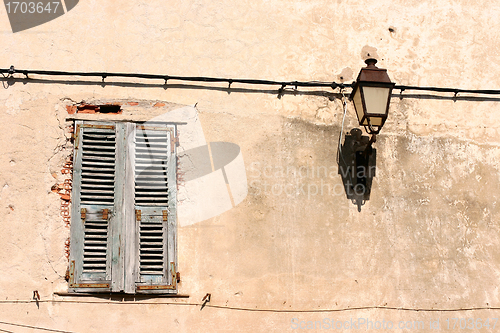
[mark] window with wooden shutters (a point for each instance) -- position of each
(123, 227)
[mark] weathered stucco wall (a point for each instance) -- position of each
(428, 238)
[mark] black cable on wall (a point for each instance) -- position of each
(333, 85)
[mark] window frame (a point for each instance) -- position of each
(125, 219)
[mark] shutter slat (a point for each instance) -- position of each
(98, 164)
(98, 174)
(144, 190)
(91, 191)
(97, 140)
(93, 234)
(103, 159)
(145, 177)
(97, 196)
(96, 249)
(145, 158)
(100, 182)
(97, 202)
(149, 162)
(98, 153)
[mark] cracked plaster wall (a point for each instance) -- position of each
(427, 238)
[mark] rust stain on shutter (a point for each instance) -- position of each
(172, 286)
(77, 135)
(98, 126)
(138, 214)
(105, 214)
(153, 128)
(73, 284)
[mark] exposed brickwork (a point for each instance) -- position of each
(71, 109)
(109, 108)
(85, 108)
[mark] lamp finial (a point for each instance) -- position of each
(371, 62)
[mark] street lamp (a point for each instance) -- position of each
(371, 95)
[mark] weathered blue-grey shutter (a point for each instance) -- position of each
(92, 206)
(155, 213)
(123, 232)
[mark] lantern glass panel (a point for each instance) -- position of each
(358, 105)
(376, 99)
(375, 121)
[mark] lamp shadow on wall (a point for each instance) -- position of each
(357, 165)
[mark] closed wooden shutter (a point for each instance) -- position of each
(92, 205)
(123, 232)
(154, 190)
